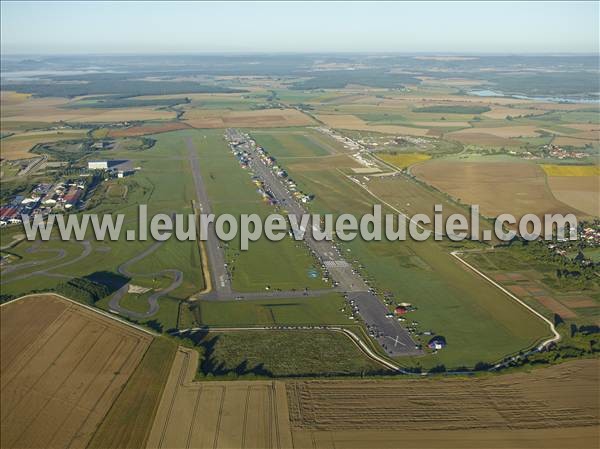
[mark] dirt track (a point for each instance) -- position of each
(62, 368)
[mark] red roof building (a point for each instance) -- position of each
(400, 310)
(8, 212)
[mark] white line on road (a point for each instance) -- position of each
(556, 335)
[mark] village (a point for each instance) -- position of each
(559, 153)
(579, 251)
(63, 196)
(44, 199)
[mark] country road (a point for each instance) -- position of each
(456, 254)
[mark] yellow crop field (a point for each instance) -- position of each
(571, 170)
(10, 97)
(403, 160)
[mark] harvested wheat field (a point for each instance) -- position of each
(50, 110)
(266, 118)
(476, 138)
(148, 128)
(18, 146)
(554, 407)
(403, 160)
(219, 414)
(578, 140)
(501, 131)
(62, 368)
(9, 97)
(499, 112)
(346, 121)
(517, 187)
(581, 192)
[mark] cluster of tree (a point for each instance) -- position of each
(120, 101)
(84, 290)
(569, 273)
(13, 188)
(120, 86)
(93, 287)
(581, 341)
(5, 297)
(338, 79)
(453, 109)
(304, 106)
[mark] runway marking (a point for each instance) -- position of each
(336, 264)
(396, 341)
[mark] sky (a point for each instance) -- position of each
(249, 27)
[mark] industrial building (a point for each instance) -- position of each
(98, 165)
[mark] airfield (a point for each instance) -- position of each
(296, 343)
(211, 180)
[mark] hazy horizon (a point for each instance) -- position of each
(121, 28)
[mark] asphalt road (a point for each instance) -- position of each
(87, 250)
(393, 338)
(220, 278)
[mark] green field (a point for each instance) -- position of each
(292, 144)
(300, 311)
(152, 185)
(283, 354)
(284, 265)
(479, 322)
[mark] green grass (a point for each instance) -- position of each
(285, 264)
(479, 322)
(128, 422)
(593, 254)
(572, 117)
(233, 104)
(165, 184)
(284, 354)
(282, 145)
(320, 310)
